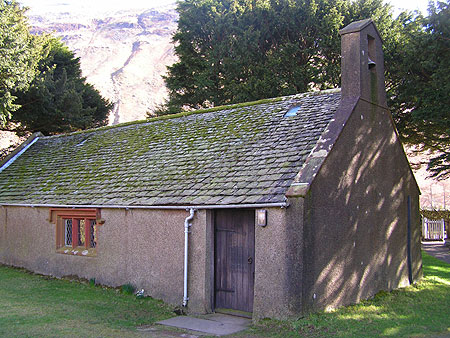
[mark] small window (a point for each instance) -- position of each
(76, 230)
(68, 232)
(292, 112)
(80, 229)
(93, 234)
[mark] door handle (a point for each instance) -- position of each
(250, 260)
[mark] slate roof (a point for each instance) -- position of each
(235, 155)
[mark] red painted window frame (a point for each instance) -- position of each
(58, 217)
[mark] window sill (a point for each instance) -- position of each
(78, 251)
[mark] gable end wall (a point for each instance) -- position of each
(355, 221)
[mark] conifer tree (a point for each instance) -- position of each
(420, 96)
(19, 55)
(233, 51)
(59, 99)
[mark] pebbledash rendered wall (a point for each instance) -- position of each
(356, 215)
(145, 247)
(141, 247)
(279, 264)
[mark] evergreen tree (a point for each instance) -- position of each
(233, 51)
(59, 99)
(420, 97)
(18, 56)
(240, 50)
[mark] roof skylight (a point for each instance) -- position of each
(292, 112)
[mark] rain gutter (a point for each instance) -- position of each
(184, 207)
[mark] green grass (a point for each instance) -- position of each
(416, 311)
(37, 306)
(33, 305)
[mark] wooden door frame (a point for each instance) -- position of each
(211, 238)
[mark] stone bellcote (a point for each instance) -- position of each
(362, 63)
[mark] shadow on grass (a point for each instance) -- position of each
(419, 310)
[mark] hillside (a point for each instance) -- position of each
(123, 53)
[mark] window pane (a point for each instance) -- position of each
(93, 233)
(68, 232)
(81, 232)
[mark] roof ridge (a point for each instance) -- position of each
(198, 111)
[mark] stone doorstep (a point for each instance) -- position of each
(214, 324)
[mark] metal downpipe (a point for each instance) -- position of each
(187, 225)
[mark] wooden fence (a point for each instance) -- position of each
(433, 229)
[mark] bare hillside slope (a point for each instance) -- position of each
(123, 53)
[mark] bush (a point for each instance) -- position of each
(128, 289)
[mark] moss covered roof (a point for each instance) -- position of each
(232, 155)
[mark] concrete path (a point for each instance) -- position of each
(212, 324)
(438, 250)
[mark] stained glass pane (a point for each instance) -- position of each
(68, 232)
(81, 232)
(93, 233)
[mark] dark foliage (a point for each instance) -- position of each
(18, 56)
(421, 99)
(59, 99)
(233, 51)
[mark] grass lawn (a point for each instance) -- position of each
(38, 306)
(416, 311)
(33, 305)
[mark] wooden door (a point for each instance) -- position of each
(234, 259)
